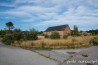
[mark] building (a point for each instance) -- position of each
(61, 29)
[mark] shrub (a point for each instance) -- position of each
(2, 33)
(17, 34)
(30, 35)
(26, 36)
(65, 36)
(33, 34)
(8, 39)
(46, 36)
(94, 41)
(55, 35)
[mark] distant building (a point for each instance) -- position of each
(61, 29)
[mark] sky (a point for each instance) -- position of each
(41, 14)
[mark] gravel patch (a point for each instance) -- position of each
(87, 56)
(59, 55)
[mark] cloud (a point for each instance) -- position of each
(17, 14)
(30, 9)
(33, 12)
(80, 16)
(7, 5)
(55, 12)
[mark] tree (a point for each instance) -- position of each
(75, 31)
(10, 25)
(55, 35)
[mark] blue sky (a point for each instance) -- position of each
(40, 14)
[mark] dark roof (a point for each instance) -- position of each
(57, 28)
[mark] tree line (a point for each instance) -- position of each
(94, 32)
(12, 34)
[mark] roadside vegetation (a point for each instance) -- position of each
(12, 35)
(55, 35)
(94, 41)
(70, 42)
(29, 39)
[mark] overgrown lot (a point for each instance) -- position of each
(71, 42)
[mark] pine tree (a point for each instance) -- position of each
(76, 32)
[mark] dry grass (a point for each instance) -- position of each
(71, 42)
(0, 39)
(23, 44)
(62, 43)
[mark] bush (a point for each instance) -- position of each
(46, 36)
(2, 33)
(95, 41)
(8, 39)
(33, 34)
(55, 35)
(30, 35)
(26, 36)
(65, 36)
(17, 34)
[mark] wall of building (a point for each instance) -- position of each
(66, 31)
(49, 33)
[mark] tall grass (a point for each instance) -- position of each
(71, 42)
(23, 44)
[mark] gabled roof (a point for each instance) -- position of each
(57, 28)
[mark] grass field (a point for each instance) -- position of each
(71, 42)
